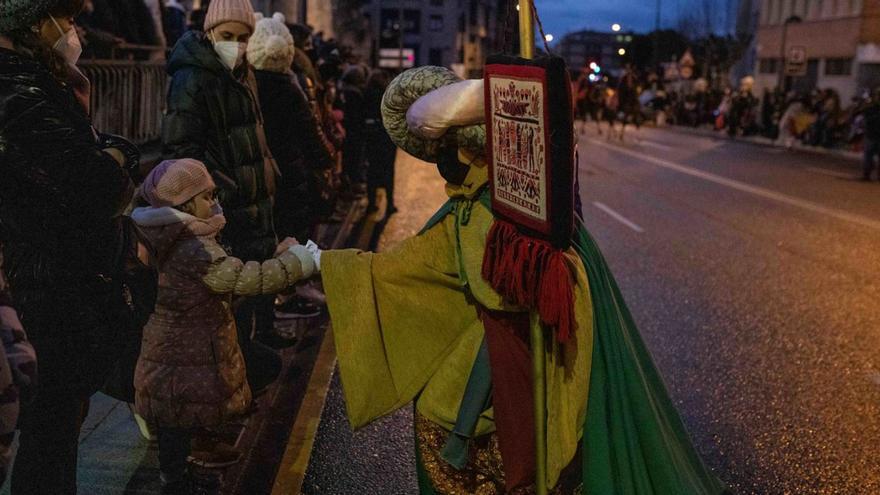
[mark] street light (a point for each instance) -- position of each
(615, 27)
(548, 37)
(621, 52)
(791, 20)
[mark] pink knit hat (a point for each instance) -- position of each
(220, 11)
(174, 182)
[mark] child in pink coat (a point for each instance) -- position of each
(191, 374)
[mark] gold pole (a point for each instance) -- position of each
(526, 29)
(539, 370)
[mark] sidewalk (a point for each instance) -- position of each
(763, 141)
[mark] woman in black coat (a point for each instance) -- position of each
(61, 196)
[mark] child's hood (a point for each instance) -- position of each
(161, 228)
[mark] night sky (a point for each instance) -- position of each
(562, 16)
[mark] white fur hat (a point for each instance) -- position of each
(271, 46)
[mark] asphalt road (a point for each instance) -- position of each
(753, 275)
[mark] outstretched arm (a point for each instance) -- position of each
(230, 275)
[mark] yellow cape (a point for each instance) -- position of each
(406, 327)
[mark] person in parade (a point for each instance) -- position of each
(425, 323)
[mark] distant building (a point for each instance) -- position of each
(454, 33)
(581, 48)
(292, 9)
(840, 40)
(748, 14)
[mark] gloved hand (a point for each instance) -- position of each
(316, 254)
(131, 153)
(309, 257)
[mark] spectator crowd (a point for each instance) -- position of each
(160, 284)
(818, 118)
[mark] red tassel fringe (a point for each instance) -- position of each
(531, 273)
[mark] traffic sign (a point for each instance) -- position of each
(796, 62)
(389, 58)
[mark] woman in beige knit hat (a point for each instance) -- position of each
(213, 116)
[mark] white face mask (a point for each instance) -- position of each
(231, 52)
(68, 45)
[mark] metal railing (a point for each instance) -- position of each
(128, 97)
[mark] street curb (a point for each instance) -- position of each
(766, 142)
(298, 452)
(294, 464)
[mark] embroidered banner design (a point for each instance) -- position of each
(519, 148)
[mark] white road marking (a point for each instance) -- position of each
(748, 188)
(832, 173)
(617, 216)
(645, 142)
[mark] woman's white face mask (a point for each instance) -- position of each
(231, 53)
(68, 45)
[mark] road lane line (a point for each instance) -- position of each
(747, 188)
(617, 216)
(645, 142)
(832, 173)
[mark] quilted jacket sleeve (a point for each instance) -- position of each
(184, 129)
(227, 274)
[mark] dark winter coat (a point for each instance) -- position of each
(380, 150)
(872, 122)
(60, 201)
(173, 22)
(299, 147)
(212, 116)
(354, 122)
(128, 19)
(295, 138)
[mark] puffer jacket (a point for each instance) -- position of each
(213, 116)
(298, 144)
(295, 138)
(60, 201)
(190, 372)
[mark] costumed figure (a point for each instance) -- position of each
(443, 321)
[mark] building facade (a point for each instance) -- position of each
(453, 33)
(581, 48)
(839, 39)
